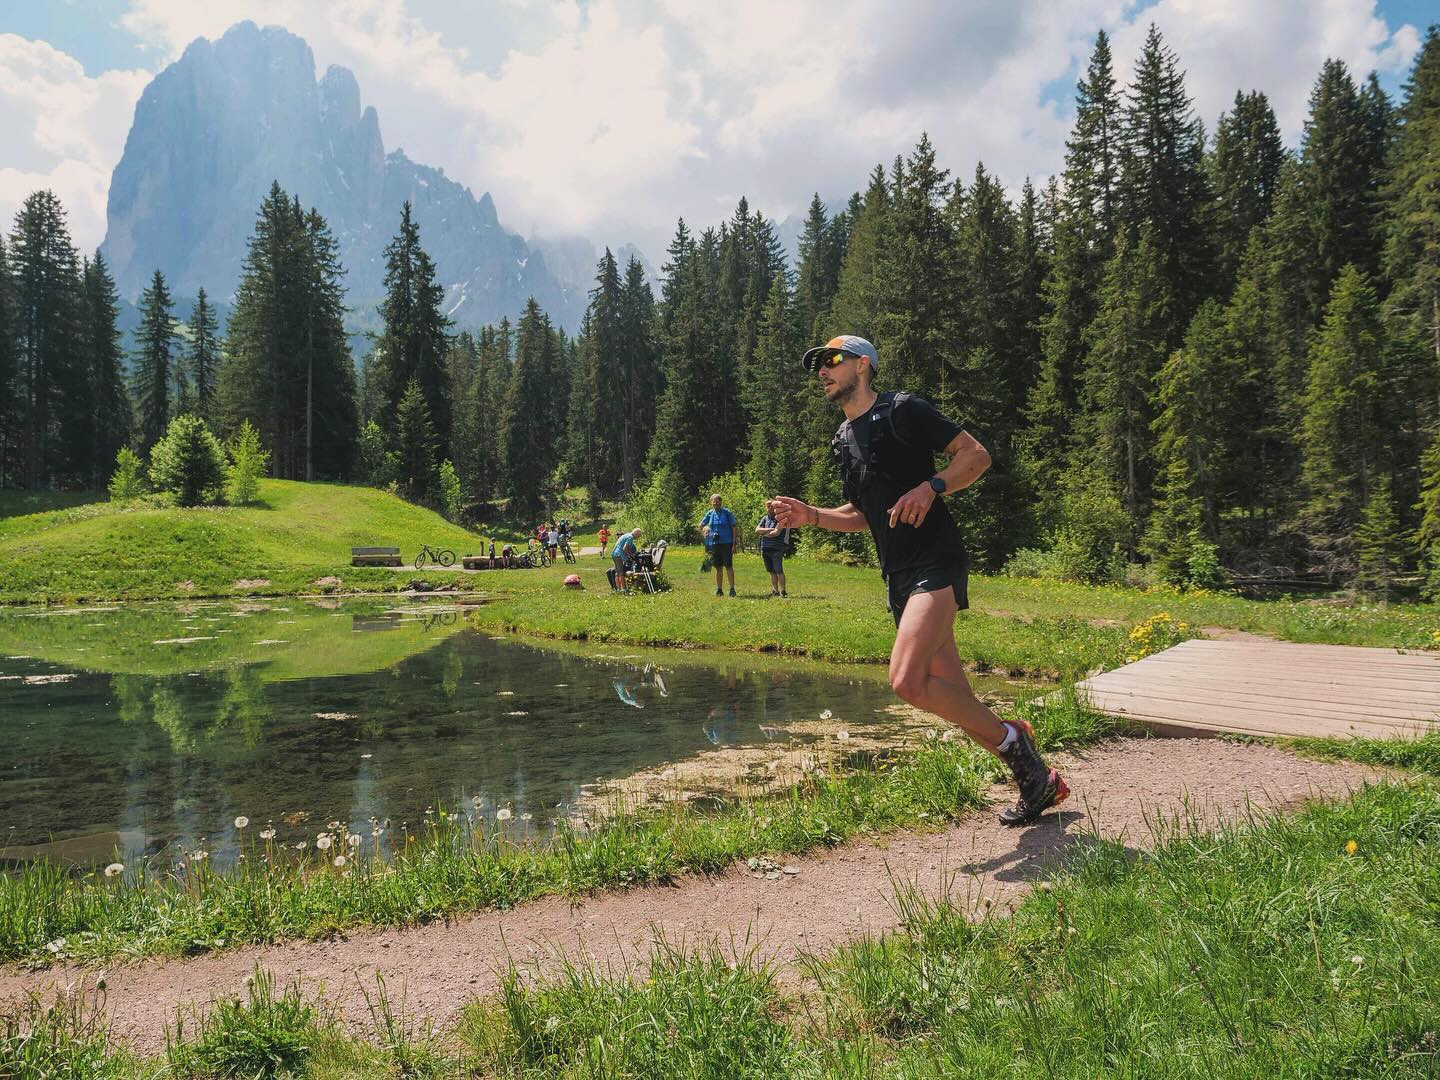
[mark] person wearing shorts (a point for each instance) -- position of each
(623, 554)
(885, 452)
(718, 529)
(604, 537)
(772, 551)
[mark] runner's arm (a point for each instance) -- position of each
(968, 462)
(792, 513)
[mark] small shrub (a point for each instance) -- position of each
(189, 463)
(128, 480)
(377, 465)
(65, 1040)
(448, 482)
(261, 1036)
(657, 507)
(248, 462)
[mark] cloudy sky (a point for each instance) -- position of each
(611, 118)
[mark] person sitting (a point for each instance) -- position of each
(623, 554)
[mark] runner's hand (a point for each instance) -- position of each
(789, 513)
(913, 506)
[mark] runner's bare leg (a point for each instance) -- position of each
(926, 670)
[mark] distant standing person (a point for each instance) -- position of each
(624, 553)
(604, 537)
(552, 541)
(772, 549)
(718, 529)
(885, 450)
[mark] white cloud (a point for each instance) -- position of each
(613, 117)
(62, 130)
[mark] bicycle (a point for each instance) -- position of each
(443, 556)
(566, 550)
(536, 554)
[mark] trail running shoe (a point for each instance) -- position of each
(1041, 787)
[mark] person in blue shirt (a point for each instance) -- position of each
(772, 550)
(718, 529)
(624, 553)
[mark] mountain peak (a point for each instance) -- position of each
(217, 127)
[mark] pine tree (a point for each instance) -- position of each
(415, 444)
(914, 281)
(414, 341)
(1342, 154)
(639, 373)
(153, 376)
(248, 463)
(1412, 198)
(108, 424)
(1194, 397)
(203, 362)
(1382, 549)
(188, 462)
(818, 275)
(856, 305)
(1244, 176)
(529, 445)
(1083, 242)
(1347, 432)
(1163, 183)
(1128, 349)
(45, 281)
(286, 364)
(10, 446)
(776, 456)
(1093, 153)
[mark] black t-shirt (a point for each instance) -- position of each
(897, 455)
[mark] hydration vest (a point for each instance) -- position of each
(884, 460)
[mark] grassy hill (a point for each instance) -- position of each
(297, 533)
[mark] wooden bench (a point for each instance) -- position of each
(374, 556)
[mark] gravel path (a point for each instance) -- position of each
(837, 894)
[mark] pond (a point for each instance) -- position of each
(152, 728)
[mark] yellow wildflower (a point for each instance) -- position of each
(1351, 847)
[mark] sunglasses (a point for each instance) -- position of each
(835, 359)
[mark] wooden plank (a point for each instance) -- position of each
(1278, 706)
(1178, 726)
(1391, 710)
(1191, 714)
(1241, 652)
(1219, 711)
(1337, 691)
(374, 551)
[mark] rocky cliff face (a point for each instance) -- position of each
(215, 128)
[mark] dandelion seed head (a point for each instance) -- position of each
(323, 842)
(340, 860)
(267, 834)
(241, 821)
(114, 868)
(503, 815)
(354, 839)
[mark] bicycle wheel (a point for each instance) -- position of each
(446, 557)
(569, 554)
(420, 559)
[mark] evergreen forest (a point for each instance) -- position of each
(1194, 350)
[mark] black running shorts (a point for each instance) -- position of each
(903, 584)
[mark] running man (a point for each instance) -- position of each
(885, 450)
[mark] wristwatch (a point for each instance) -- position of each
(937, 484)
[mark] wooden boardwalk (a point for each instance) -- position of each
(1275, 688)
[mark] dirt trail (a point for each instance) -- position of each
(837, 894)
